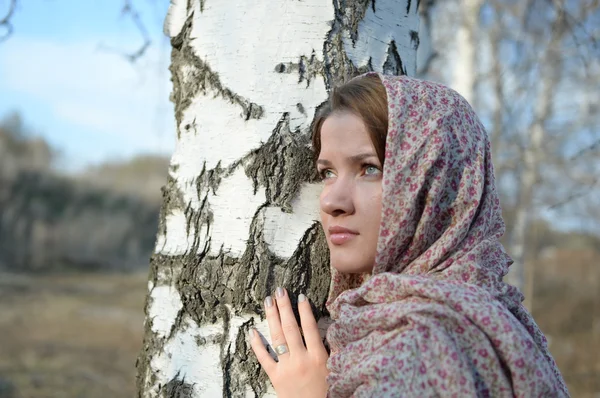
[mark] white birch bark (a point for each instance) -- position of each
(465, 69)
(240, 207)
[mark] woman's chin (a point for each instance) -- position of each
(347, 264)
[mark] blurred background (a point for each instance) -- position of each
(86, 130)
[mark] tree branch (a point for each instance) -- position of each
(5, 22)
(590, 148)
(574, 196)
(135, 17)
(129, 9)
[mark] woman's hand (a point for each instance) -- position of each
(301, 371)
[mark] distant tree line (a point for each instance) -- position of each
(104, 218)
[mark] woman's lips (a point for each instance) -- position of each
(339, 235)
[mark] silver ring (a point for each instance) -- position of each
(281, 349)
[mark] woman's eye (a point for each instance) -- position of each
(372, 170)
(325, 174)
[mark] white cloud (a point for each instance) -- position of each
(100, 94)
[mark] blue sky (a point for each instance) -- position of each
(64, 71)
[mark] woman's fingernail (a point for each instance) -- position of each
(268, 302)
(279, 292)
(251, 333)
(301, 298)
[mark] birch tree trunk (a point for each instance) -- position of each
(499, 97)
(240, 209)
(465, 74)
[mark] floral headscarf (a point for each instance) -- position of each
(435, 317)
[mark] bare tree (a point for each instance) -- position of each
(549, 73)
(240, 208)
(530, 69)
(549, 173)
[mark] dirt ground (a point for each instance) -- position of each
(566, 306)
(78, 336)
(70, 336)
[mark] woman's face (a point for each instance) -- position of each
(351, 196)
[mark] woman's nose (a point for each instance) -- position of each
(336, 198)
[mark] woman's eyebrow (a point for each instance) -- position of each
(351, 159)
(362, 156)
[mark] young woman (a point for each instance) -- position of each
(413, 221)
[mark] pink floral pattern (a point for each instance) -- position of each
(435, 317)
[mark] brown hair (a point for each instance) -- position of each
(366, 98)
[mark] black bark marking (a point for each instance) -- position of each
(355, 11)
(178, 41)
(338, 68)
(257, 278)
(313, 281)
(254, 111)
(282, 165)
(172, 199)
(199, 79)
(307, 68)
(393, 63)
(280, 68)
(203, 287)
(300, 108)
(414, 39)
(408, 7)
(225, 352)
(177, 388)
(207, 181)
(240, 367)
(226, 368)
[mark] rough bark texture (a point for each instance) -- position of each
(205, 289)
